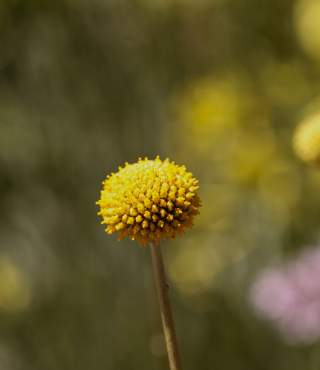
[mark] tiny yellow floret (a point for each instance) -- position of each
(306, 140)
(149, 201)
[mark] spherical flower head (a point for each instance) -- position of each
(149, 201)
(306, 140)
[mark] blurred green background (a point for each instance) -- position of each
(85, 86)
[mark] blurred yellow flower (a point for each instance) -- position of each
(15, 293)
(212, 108)
(149, 200)
(307, 24)
(212, 104)
(193, 269)
(249, 155)
(306, 139)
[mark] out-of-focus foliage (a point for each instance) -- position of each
(218, 85)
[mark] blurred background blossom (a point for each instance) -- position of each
(289, 295)
(218, 85)
(307, 139)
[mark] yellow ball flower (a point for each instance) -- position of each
(149, 200)
(306, 140)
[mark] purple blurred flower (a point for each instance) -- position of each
(289, 296)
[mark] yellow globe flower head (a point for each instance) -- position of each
(306, 140)
(149, 200)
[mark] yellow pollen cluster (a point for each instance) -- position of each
(306, 140)
(149, 200)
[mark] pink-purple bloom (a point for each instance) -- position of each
(289, 296)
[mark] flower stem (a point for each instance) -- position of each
(162, 289)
